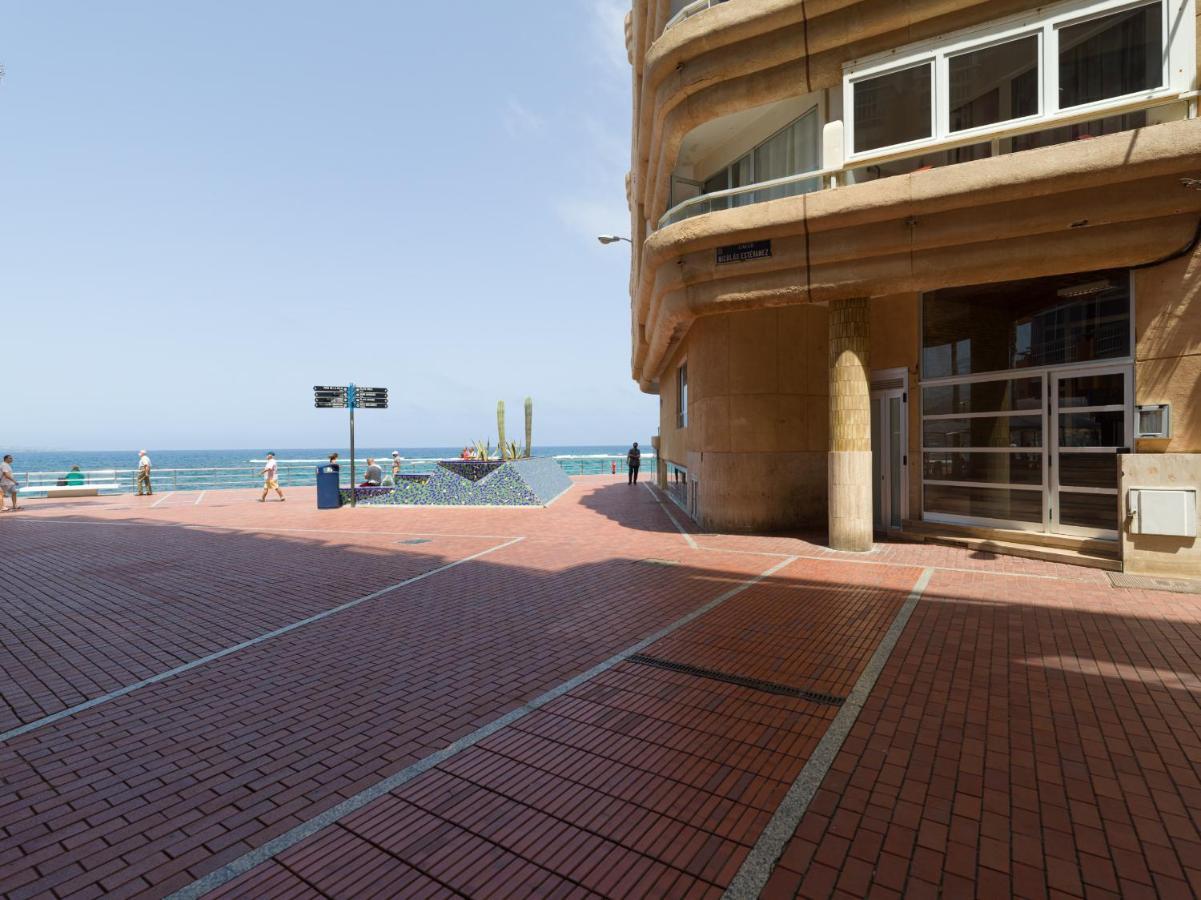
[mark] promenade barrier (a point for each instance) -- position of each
(291, 473)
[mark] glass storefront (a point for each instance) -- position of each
(1026, 401)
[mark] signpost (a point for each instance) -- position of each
(349, 397)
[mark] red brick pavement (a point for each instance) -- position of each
(1032, 743)
(1028, 726)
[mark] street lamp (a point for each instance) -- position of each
(612, 239)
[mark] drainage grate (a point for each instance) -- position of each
(1156, 583)
(415, 541)
(755, 684)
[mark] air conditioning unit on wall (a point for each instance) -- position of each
(1153, 421)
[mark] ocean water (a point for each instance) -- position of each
(220, 469)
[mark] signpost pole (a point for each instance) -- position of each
(350, 402)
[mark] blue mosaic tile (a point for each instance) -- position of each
(524, 482)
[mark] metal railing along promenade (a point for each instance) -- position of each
(291, 473)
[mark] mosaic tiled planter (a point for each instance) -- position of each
(522, 482)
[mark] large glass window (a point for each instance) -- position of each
(893, 108)
(976, 80)
(1111, 56)
(1020, 324)
(994, 84)
(682, 396)
(790, 151)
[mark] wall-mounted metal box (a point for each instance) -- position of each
(1170, 512)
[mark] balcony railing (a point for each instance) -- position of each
(838, 172)
(691, 10)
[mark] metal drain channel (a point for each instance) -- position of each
(755, 684)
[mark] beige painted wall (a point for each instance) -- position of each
(1157, 554)
(1167, 303)
(756, 438)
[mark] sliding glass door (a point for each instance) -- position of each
(1091, 416)
(1027, 397)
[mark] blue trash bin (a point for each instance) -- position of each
(328, 495)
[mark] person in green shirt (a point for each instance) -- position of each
(75, 477)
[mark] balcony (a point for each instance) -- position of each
(682, 9)
(1053, 76)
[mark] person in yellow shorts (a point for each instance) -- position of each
(270, 475)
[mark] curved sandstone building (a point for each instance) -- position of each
(925, 266)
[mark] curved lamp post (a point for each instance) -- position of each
(612, 239)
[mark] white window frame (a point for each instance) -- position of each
(682, 394)
(1179, 68)
(1048, 411)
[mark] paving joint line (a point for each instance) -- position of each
(288, 839)
(756, 869)
(251, 642)
(674, 521)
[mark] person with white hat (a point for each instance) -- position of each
(144, 474)
(397, 459)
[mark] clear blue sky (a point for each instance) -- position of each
(208, 207)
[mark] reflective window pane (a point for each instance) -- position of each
(1093, 390)
(995, 468)
(789, 152)
(1098, 470)
(1079, 132)
(1098, 429)
(994, 84)
(1111, 56)
(893, 108)
(1088, 510)
(1001, 395)
(984, 503)
(1034, 322)
(985, 431)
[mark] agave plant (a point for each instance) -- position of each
(483, 449)
(512, 450)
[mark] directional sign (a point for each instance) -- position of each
(373, 404)
(363, 390)
(329, 404)
(330, 387)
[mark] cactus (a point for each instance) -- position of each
(529, 425)
(500, 424)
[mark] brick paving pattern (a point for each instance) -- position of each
(1034, 733)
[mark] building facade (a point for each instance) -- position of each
(928, 267)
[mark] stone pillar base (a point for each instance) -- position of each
(850, 474)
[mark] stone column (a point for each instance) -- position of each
(850, 461)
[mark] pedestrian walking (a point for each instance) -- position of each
(8, 483)
(144, 485)
(633, 462)
(270, 475)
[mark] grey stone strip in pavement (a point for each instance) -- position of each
(226, 651)
(274, 847)
(756, 869)
(674, 521)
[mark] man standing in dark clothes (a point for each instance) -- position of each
(633, 461)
